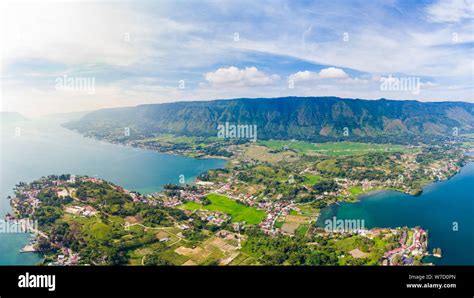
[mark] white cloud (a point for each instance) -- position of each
(233, 76)
(325, 73)
(332, 73)
(50, 39)
(304, 76)
(450, 11)
(73, 33)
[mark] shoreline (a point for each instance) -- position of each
(145, 147)
(362, 196)
(371, 193)
(428, 258)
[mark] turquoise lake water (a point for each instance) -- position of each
(44, 148)
(437, 209)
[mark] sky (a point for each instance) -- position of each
(67, 56)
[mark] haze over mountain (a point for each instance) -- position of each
(284, 118)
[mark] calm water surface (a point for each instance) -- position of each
(437, 209)
(45, 148)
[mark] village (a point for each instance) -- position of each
(412, 243)
(280, 216)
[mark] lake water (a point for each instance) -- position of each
(438, 209)
(44, 148)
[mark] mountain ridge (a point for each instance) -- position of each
(309, 118)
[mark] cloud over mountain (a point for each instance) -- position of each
(233, 76)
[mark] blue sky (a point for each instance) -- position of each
(144, 51)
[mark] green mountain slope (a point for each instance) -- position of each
(304, 118)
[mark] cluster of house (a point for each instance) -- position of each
(67, 258)
(274, 210)
(91, 179)
(219, 187)
(213, 217)
(191, 195)
(418, 246)
(443, 172)
(365, 184)
(171, 202)
(29, 200)
(185, 195)
(81, 210)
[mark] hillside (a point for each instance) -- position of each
(304, 118)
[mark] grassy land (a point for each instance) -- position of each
(355, 190)
(308, 210)
(172, 139)
(409, 237)
(93, 226)
(168, 138)
(312, 179)
(191, 206)
(340, 148)
(237, 211)
(302, 230)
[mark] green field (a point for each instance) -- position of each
(310, 180)
(237, 211)
(301, 231)
(355, 190)
(191, 206)
(93, 226)
(339, 148)
(172, 139)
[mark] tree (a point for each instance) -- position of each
(396, 260)
(325, 186)
(117, 257)
(155, 259)
(43, 244)
(205, 201)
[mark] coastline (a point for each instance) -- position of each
(435, 200)
(371, 192)
(419, 192)
(408, 248)
(147, 148)
(355, 199)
